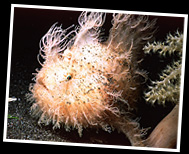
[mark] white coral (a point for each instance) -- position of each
(168, 88)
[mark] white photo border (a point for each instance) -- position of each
(13, 6)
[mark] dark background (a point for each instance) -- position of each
(28, 28)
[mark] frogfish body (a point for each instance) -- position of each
(88, 83)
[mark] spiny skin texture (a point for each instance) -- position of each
(84, 83)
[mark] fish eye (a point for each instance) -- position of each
(68, 77)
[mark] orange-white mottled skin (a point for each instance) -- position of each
(87, 83)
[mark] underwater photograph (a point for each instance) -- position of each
(96, 78)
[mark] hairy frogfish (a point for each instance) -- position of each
(89, 82)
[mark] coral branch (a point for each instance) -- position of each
(173, 44)
(168, 88)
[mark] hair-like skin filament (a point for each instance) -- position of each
(87, 83)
